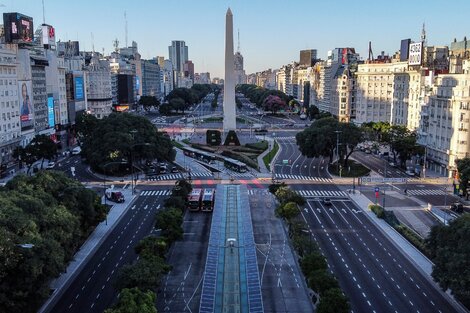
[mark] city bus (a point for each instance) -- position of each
(199, 155)
(195, 199)
(235, 165)
(208, 200)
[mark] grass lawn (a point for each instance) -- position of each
(176, 144)
(354, 169)
(260, 145)
(268, 157)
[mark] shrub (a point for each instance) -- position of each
(288, 210)
(313, 262)
(333, 301)
(175, 202)
(169, 221)
(285, 194)
(274, 187)
(378, 210)
(321, 281)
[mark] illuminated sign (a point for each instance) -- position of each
(121, 108)
(50, 110)
(18, 28)
(79, 90)
(416, 52)
(48, 35)
(26, 106)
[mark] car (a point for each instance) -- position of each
(410, 173)
(76, 151)
(50, 165)
(174, 169)
(327, 201)
(457, 207)
(392, 164)
(290, 125)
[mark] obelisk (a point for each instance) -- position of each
(230, 120)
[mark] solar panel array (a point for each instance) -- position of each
(212, 287)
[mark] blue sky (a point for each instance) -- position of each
(272, 31)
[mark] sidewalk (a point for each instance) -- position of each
(262, 167)
(87, 250)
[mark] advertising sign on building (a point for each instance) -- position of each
(415, 54)
(26, 107)
(50, 110)
(18, 28)
(404, 49)
(79, 88)
(48, 35)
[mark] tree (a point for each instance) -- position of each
(450, 253)
(145, 274)
(134, 301)
(313, 262)
(285, 195)
(165, 109)
(178, 104)
(148, 102)
(402, 142)
(274, 104)
(119, 136)
(150, 246)
(312, 112)
(333, 301)
(321, 281)
(169, 221)
(319, 139)
(351, 135)
(288, 210)
(463, 168)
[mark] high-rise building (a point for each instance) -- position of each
(10, 106)
(189, 69)
(178, 52)
(99, 87)
(151, 80)
(240, 76)
(307, 57)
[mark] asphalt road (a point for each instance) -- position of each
(378, 165)
(372, 271)
(92, 289)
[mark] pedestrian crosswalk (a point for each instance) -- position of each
(179, 176)
(302, 177)
(322, 193)
(285, 137)
(155, 193)
(426, 192)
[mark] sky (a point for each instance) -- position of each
(272, 32)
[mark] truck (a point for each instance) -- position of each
(114, 195)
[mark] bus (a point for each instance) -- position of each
(195, 199)
(235, 165)
(208, 200)
(199, 155)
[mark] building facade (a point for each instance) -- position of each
(178, 52)
(99, 94)
(151, 79)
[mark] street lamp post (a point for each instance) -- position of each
(337, 148)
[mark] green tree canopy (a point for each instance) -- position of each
(40, 148)
(148, 102)
(55, 214)
(463, 168)
(450, 252)
(134, 301)
(333, 301)
(169, 221)
(116, 137)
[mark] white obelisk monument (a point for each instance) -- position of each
(230, 119)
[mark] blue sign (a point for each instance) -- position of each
(376, 189)
(50, 110)
(79, 90)
(137, 83)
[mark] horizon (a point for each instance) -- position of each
(294, 28)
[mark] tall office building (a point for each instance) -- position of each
(240, 76)
(189, 69)
(178, 52)
(307, 57)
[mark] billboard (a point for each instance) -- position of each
(415, 54)
(50, 110)
(79, 88)
(26, 106)
(18, 28)
(121, 108)
(48, 35)
(404, 49)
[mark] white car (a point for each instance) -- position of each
(76, 151)
(50, 165)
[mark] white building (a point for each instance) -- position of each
(99, 87)
(10, 128)
(240, 75)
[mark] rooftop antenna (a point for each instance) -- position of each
(423, 34)
(43, 13)
(238, 47)
(371, 55)
(116, 44)
(125, 19)
(92, 43)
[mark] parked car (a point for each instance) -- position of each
(410, 173)
(76, 151)
(50, 165)
(457, 207)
